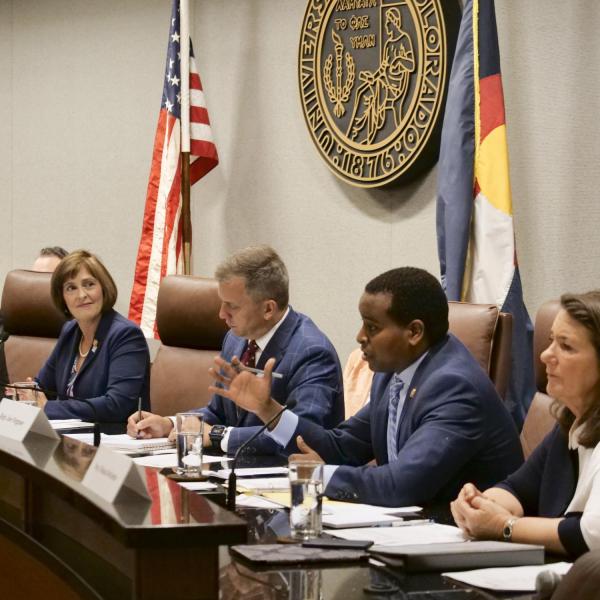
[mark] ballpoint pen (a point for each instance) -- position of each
(406, 523)
(139, 412)
(258, 372)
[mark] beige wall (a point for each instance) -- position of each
(80, 86)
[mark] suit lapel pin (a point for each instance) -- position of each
(413, 393)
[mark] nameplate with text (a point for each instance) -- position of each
(110, 472)
(18, 420)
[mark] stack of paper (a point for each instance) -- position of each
(406, 534)
(509, 579)
(60, 424)
(340, 515)
(124, 443)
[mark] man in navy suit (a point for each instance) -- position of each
(253, 287)
(434, 420)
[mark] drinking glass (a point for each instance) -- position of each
(189, 428)
(306, 488)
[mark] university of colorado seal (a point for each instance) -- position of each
(373, 75)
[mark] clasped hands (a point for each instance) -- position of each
(477, 515)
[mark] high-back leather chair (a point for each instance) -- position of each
(187, 319)
(31, 320)
(539, 421)
(482, 328)
(487, 333)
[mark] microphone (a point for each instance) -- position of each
(546, 583)
(36, 388)
(232, 479)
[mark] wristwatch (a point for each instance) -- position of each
(216, 435)
(507, 532)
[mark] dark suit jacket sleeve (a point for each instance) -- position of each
(525, 483)
(528, 482)
(127, 370)
(448, 434)
(314, 383)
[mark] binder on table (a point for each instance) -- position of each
(455, 556)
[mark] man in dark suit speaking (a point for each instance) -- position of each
(434, 420)
(253, 288)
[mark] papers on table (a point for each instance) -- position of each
(256, 502)
(198, 486)
(406, 533)
(509, 579)
(160, 461)
(340, 515)
(252, 472)
(124, 443)
(264, 483)
(60, 424)
(163, 460)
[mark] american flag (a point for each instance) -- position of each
(160, 250)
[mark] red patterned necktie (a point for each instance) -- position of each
(249, 360)
(249, 357)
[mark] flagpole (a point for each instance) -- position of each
(186, 222)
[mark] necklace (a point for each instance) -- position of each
(80, 352)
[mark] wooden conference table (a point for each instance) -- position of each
(174, 545)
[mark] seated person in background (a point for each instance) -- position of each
(100, 356)
(554, 498)
(357, 382)
(46, 262)
(253, 288)
(434, 420)
(48, 259)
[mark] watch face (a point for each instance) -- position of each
(217, 431)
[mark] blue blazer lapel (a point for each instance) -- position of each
(101, 333)
(379, 416)
(279, 343)
(405, 429)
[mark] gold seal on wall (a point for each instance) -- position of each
(372, 77)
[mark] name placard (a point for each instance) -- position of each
(110, 472)
(18, 420)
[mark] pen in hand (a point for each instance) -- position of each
(258, 372)
(139, 414)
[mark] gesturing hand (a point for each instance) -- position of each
(306, 451)
(247, 390)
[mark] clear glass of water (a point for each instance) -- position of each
(189, 428)
(306, 488)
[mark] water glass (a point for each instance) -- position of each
(189, 428)
(306, 488)
(27, 395)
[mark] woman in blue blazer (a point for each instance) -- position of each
(100, 356)
(554, 498)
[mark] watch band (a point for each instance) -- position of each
(507, 531)
(216, 435)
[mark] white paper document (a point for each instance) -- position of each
(124, 443)
(160, 461)
(252, 472)
(346, 514)
(169, 459)
(509, 579)
(268, 484)
(251, 501)
(59, 424)
(198, 486)
(405, 534)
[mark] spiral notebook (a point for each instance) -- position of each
(124, 443)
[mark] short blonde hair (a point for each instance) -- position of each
(68, 268)
(264, 273)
